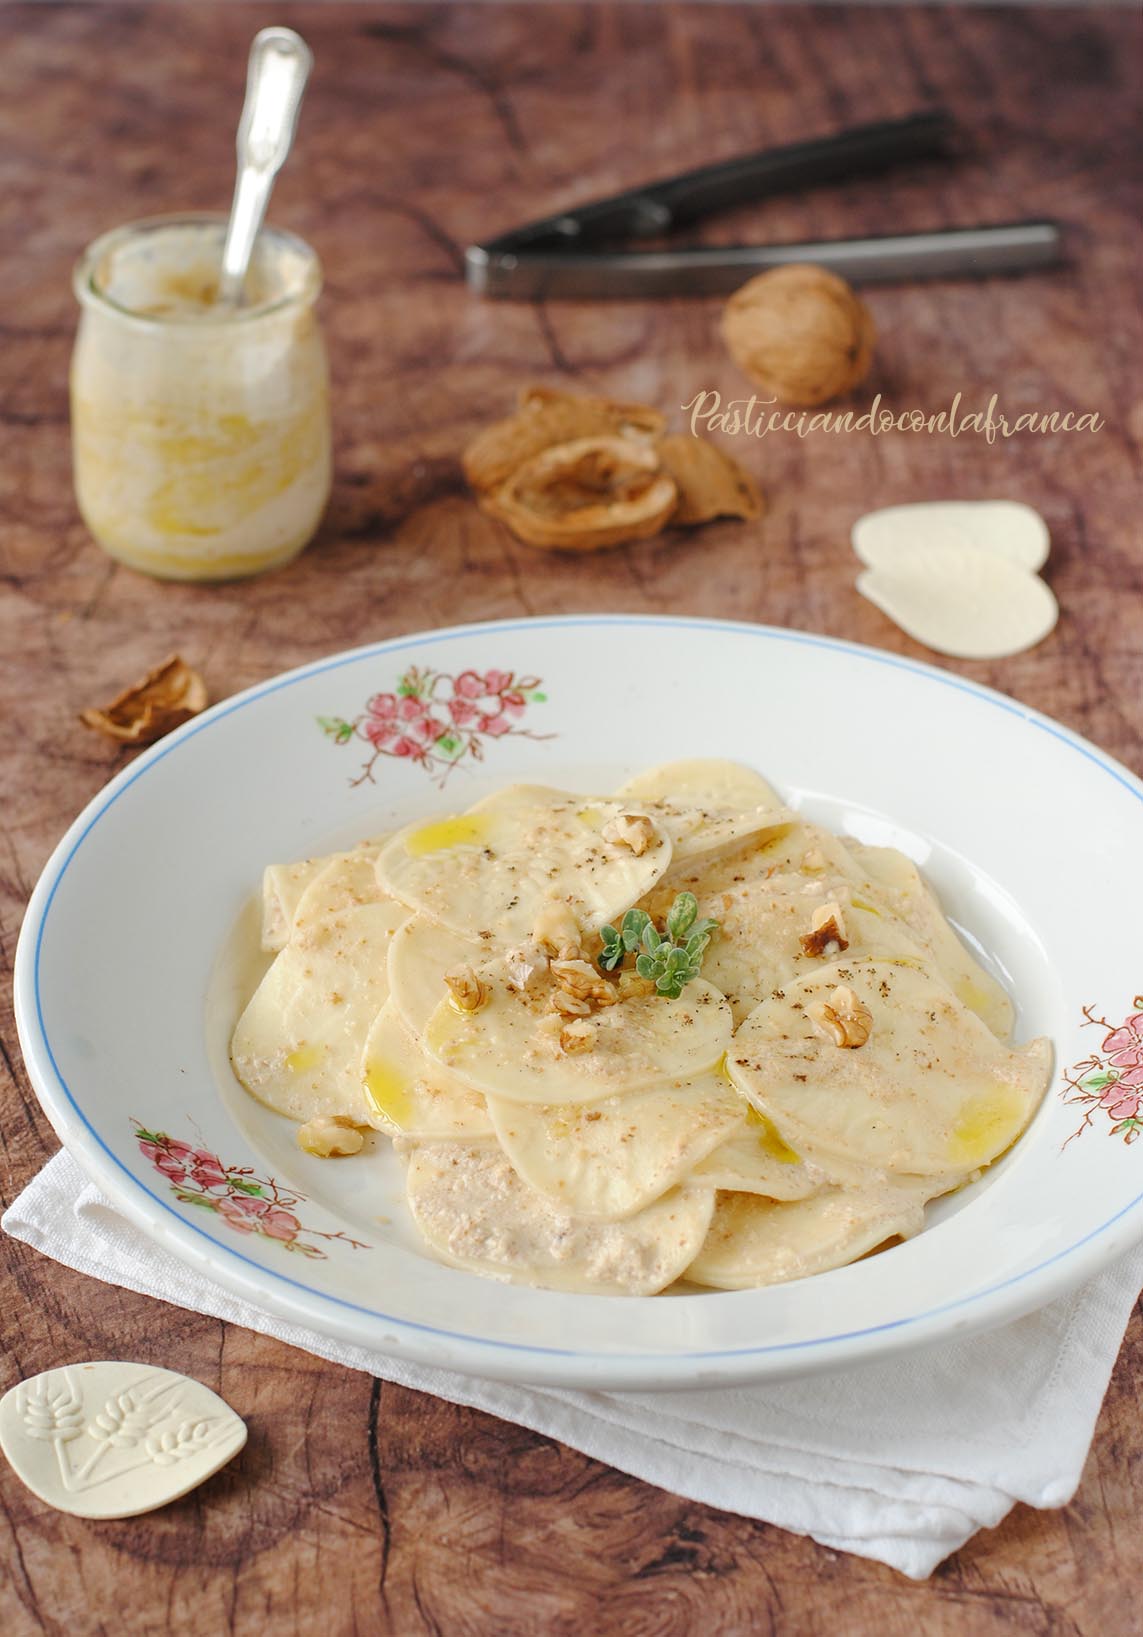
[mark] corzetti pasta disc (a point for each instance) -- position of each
(963, 601)
(1006, 528)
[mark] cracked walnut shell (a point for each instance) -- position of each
(588, 493)
(161, 701)
(709, 482)
(570, 473)
(800, 333)
(545, 418)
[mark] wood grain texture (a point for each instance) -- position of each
(361, 1507)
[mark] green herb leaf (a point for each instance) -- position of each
(670, 962)
(635, 923)
(697, 942)
(681, 915)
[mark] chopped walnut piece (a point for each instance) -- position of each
(467, 991)
(327, 1135)
(556, 928)
(569, 1005)
(579, 979)
(632, 830)
(548, 1030)
(634, 987)
(576, 1037)
(526, 966)
(164, 699)
(846, 1020)
(827, 931)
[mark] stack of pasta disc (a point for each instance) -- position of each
(840, 1060)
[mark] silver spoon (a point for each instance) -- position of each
(280, 63)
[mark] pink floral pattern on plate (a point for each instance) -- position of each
(439, 721)
(1109, 1083)
(246, 1203)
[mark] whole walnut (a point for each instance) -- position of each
(800, 333)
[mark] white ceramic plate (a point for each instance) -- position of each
(1031, 835)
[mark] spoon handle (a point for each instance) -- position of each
(280, 63)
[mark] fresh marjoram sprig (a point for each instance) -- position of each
(671, 961)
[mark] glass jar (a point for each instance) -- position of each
(200, 437)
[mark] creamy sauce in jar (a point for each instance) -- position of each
(200, 436)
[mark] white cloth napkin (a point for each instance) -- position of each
(901, 1461)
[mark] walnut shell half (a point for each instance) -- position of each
(631, 419)
(709, 482)
(161, 701)
(545, 418)
(585, 494)
(800, 333)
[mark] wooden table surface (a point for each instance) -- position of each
(363, 1507)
